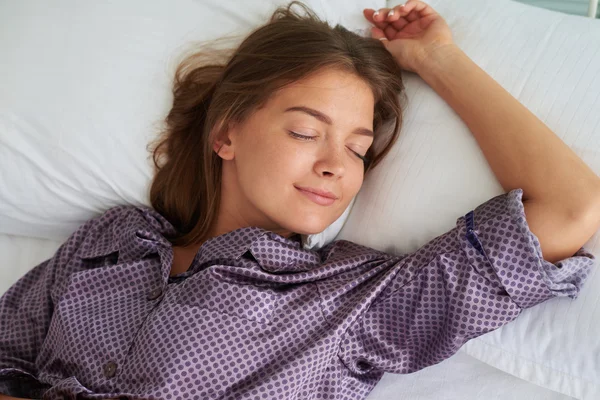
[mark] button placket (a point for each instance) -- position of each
(155, 294)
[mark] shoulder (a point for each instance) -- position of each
(108, 218)
(94, 238)
(99, 235)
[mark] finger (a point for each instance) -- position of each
(398, 15)
(374, 17)
(413, 10)
(380, 18)
(378, 34)
(395, 13)
(400, 23)
(381, 14)
(413, 16)
(387, 33)
(421, 9)
(390, 32)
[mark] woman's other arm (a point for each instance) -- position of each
(26, 311)
(561, 193)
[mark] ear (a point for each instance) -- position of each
(223, 145)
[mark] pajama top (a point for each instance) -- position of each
(257, 316)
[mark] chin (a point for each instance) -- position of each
(307, 220)
(307, 227)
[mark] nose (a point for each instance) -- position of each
(330, 160)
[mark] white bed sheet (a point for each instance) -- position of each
(460, 377)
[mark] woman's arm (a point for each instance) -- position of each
(4, 397)
(560, 192)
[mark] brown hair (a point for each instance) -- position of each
(208, 95)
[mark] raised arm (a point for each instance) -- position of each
(561, 193)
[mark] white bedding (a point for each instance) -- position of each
(459, 377)
(548, 60)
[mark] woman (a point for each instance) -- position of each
(210, 293)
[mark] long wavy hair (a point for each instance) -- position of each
(212, 88)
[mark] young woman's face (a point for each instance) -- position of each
(264, 164)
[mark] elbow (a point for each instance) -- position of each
(562, 233)
(590, 210)
(587, 217)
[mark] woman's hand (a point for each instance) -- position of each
(412, 31)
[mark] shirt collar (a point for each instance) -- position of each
(141, 230)
(271, 251)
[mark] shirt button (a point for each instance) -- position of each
(362, 365)
(110, 368)
(155, 294)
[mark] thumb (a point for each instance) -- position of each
(377, 33)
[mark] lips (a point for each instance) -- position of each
(323, 199)
(320, 192)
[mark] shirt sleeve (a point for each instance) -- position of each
(469, 281)
(25, 313)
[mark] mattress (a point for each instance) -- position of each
(459, 377)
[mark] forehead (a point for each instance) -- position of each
(331, 91)
(328, 81)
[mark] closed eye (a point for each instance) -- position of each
(299, 136)
(307, 138)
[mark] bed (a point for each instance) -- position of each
(85, 85)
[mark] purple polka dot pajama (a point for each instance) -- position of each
(257, 316)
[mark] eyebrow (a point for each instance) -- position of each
(324, 118)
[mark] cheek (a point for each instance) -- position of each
(285, 155)
(269, 164)
(288, 165)
(353, 185)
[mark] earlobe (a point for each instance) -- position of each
(223, 145)
(224, 151)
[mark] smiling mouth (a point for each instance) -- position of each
(321, 200)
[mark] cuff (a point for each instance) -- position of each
(497, 241)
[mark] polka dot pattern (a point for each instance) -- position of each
(257, 316)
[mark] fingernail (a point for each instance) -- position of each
(390, 13)
(376, 13)
(382, 38)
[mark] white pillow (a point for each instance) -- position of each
(436, 173)
(84, 88)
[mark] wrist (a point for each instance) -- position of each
(435, 56)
